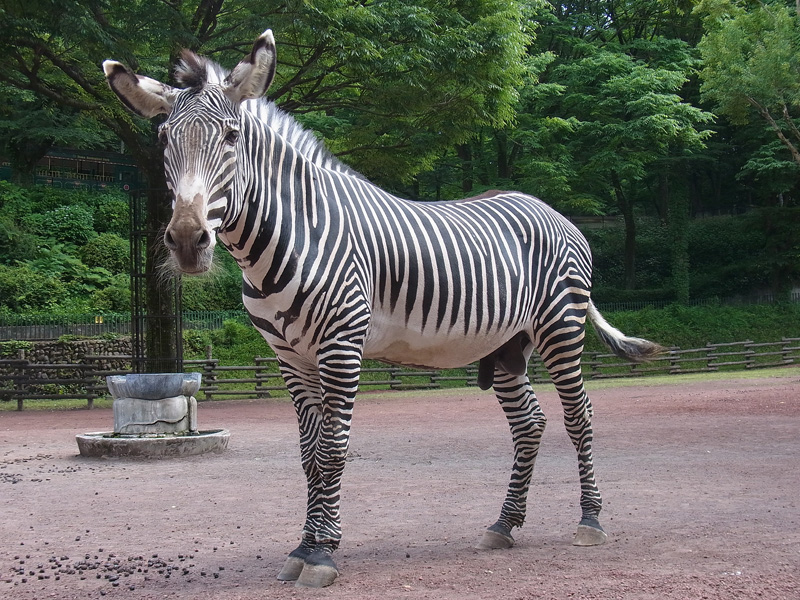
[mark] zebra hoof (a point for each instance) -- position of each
(495, 537)
(291, 569)
(295, 562)
(319, 571)
(589, 534)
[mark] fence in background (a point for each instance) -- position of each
(52, 327)
(22, 380)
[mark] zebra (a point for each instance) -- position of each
(336, 270)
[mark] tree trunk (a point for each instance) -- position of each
(626, 208)
(777, 129)
(160, 290)
(464, 152)
(24, 155)
(503, 162)
(678, 216)
(662, 203)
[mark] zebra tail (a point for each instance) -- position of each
(631, 348)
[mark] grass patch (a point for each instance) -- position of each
(76, 404)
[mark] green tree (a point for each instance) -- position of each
(751, 65)
(30, 125)
(602, 123)
(375, 76)
(108, 251)
(628, 116)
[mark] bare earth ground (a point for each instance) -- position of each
(700, 482)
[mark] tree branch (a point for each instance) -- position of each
(764, 111)
(789, 121)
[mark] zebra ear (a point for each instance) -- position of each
(254, 74)
(144, 96)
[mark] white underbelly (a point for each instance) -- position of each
(440, 350)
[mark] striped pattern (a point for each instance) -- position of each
(336, 270)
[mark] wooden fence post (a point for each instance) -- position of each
(19, 385)
(209, 373)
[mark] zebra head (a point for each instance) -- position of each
(200, 138)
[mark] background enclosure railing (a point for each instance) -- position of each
(52, 327)
(22, 380)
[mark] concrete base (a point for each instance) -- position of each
(99, 444)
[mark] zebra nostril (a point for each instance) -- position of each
(169, 241)
(204, 241)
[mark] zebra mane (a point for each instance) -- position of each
(305, 141)
(195, 72)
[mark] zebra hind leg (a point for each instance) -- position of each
(578, 422)
(527, 423)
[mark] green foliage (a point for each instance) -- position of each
(219, 290)
(24, 289)
(728, 257)
(115, 297)
(16, 244)
(112, 214)
(751, 64)
(653, 263)
(234, 344)
(46, 235)
(72, 224)
(694, 326)
(107, 250)
(11, 348)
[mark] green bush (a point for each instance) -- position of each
(112, 214)
(69, 224)
(16, 244)
(15, 201)
(728, 256)
(10, 348)
(22, 289)
(219, 290)
(107, 250)
(234, 344)
(116, 297)
(694, 326)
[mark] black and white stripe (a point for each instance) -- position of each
(337, 270)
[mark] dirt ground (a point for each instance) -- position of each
(700, 483)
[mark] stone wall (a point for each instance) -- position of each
(76, 351)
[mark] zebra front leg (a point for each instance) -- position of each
(578, 421)
(303, 386)
(339, 374)
(527, 423)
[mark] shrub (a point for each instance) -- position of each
(107, 250)
(15, 243)
(24, 289)
(69, 224)
(219, 290)
(234, 344)
(112, 215)
(114, 298)
(10, 348)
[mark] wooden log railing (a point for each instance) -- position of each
(21, 379)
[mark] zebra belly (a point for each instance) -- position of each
(437, 350)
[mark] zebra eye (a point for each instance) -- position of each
(162, 138)
(232, 137)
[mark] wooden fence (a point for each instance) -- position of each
(22, 380)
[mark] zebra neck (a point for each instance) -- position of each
(281, 210)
